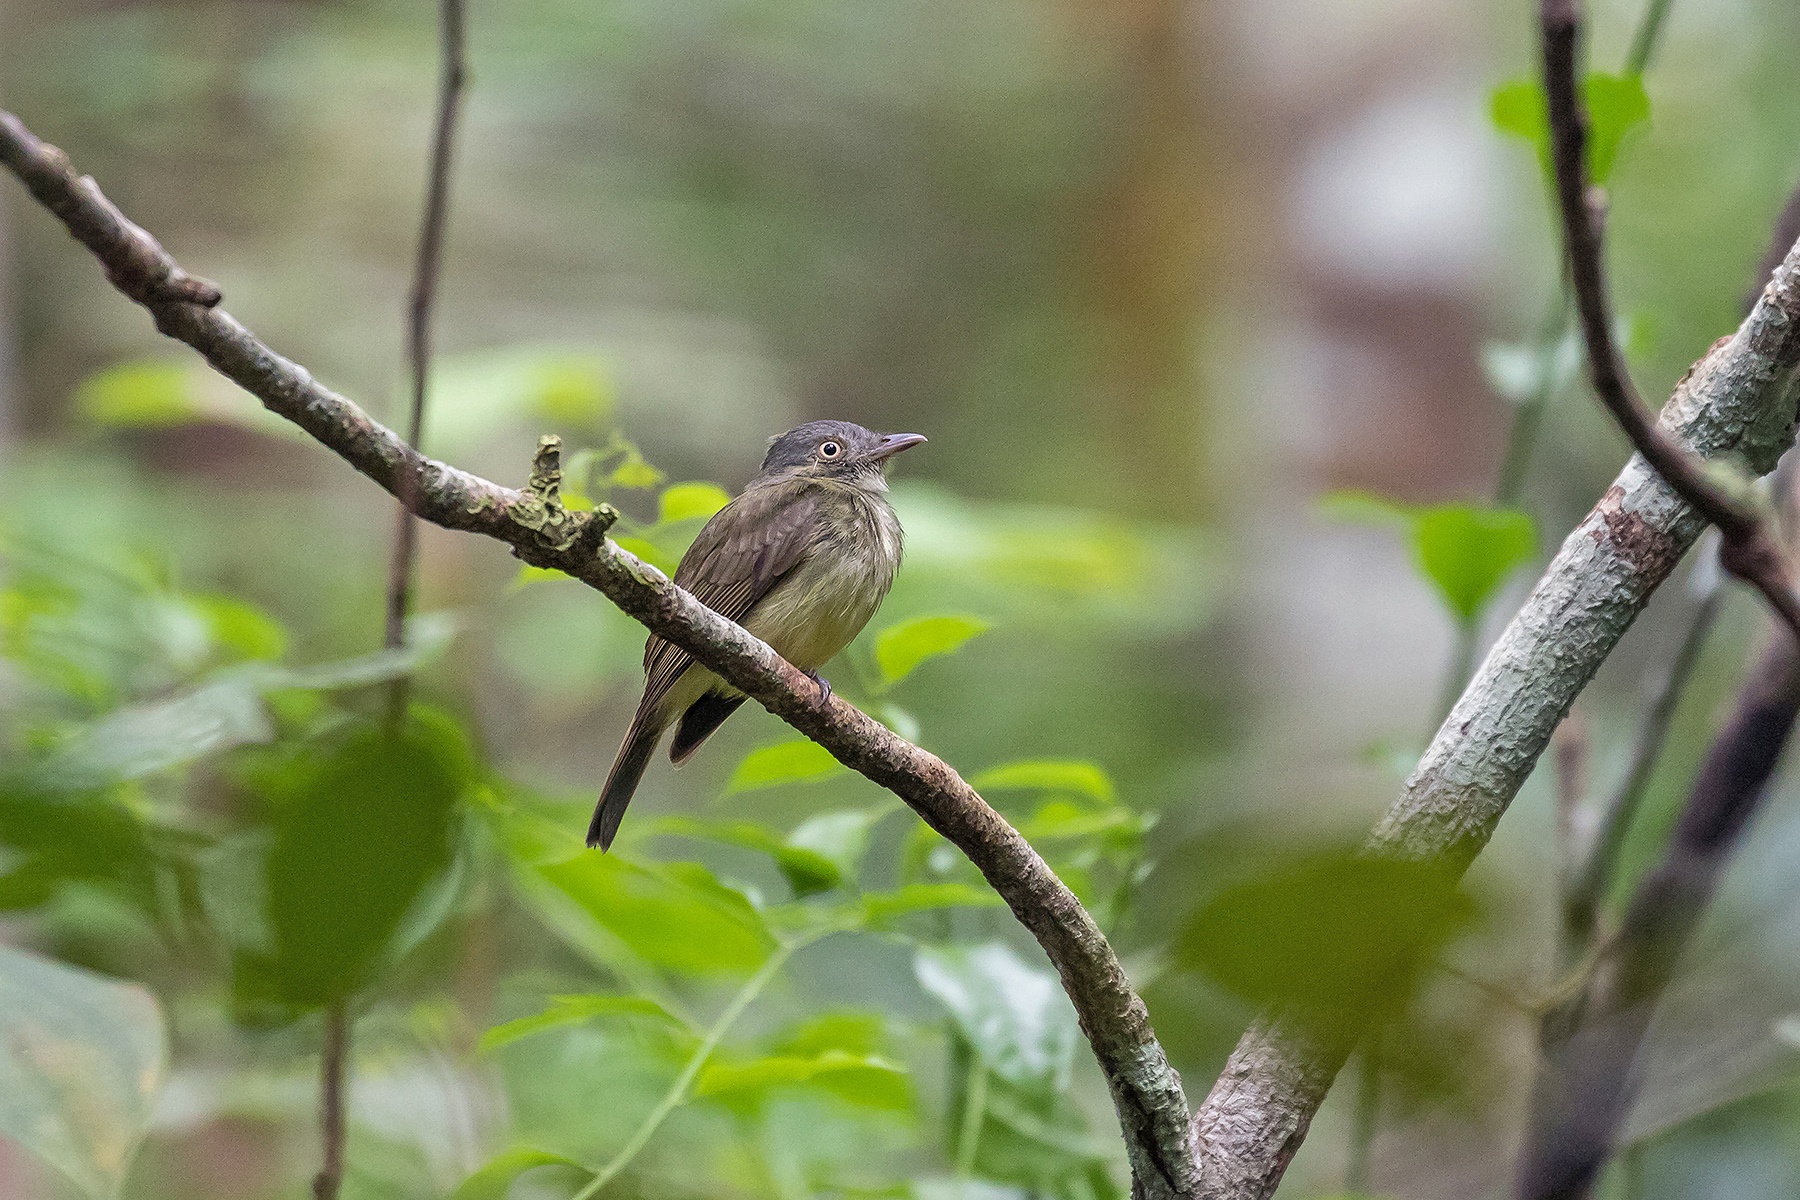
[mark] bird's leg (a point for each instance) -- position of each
(824, 689)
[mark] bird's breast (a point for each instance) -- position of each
(828, 599)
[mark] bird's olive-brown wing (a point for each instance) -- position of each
(747, 547)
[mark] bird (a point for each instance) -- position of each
(801, 558)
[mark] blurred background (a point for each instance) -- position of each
(1161, 282)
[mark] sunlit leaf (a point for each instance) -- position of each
(690, 501)
(649, 551)
(799, 761)
(1469, 552)
(1016, 1016)
(1049, 775)
(862, 1079)
(495, 1178)
(573, 1010)
(807, 871)
(473, 395)
(673, 915)
(242, 628)
(901, 649)
(879, 908)
(1058, 819)
(82, 1058)
(1616, 104)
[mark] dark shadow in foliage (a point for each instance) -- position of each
(364, 824)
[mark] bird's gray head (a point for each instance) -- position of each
(834, 450)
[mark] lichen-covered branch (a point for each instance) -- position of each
(1736, 401)
(1146, 1090)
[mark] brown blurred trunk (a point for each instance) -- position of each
(1142, 254)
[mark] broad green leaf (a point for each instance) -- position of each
(863, 1079)
(1616, 105)
(800, 761)
(133, 742)
(529, 574)
(82, 1058)
(573, 1010)
(807, 870)
(690, 502)
(649, 551)
(900, 649)
(1049, 775)
(1468, 552)
(364, 825)
(1015, 1015)
(842, 837)
(242, 628)
(672, 915)
(1057, 819)
(495, 1178)
(1335, 932)
(152, 394)
(879, 908)
(852, 1030)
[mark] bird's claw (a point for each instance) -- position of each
(824, 686)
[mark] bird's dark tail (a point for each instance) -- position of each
(622, 781)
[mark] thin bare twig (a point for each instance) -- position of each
(453, 72)
(1750, 551)
(453, 75)
(333, 1067)
(1152, 1109)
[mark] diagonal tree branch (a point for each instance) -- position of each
(1751, 551)
(1739, 400)
(1145, 1088)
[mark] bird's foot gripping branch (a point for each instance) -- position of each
(542, 532)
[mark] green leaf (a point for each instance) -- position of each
(675, 915)
(863, 1079)
(364, 825)
(800, 761)
(1468, 552)
(242, 628)
(138, 395)
(1015, 1015)
(1616, 105)
(649, 551)
(1335, 932)
(473, 396)
(495, 1178)
(690, 502)
(807, 870)
(82, 1058)
(1049, 775)
(1062, 819)
(573, 1010)
(131, 743)
(880, 908)
(900, 649)
(841, 837)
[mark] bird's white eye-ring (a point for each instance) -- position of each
(830, 449)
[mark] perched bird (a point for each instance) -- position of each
(802, 559)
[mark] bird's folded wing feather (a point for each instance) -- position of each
(741, 554)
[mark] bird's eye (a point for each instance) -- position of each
(830, 449)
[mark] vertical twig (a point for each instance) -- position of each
(452, 75)
(332, 1060)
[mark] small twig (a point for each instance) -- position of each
(333, 1063)
(453, 74)
(1750, 551)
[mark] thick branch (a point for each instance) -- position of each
(1585, 1090)
(1735, 401)
(1146, 1090)
(1751, 551)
